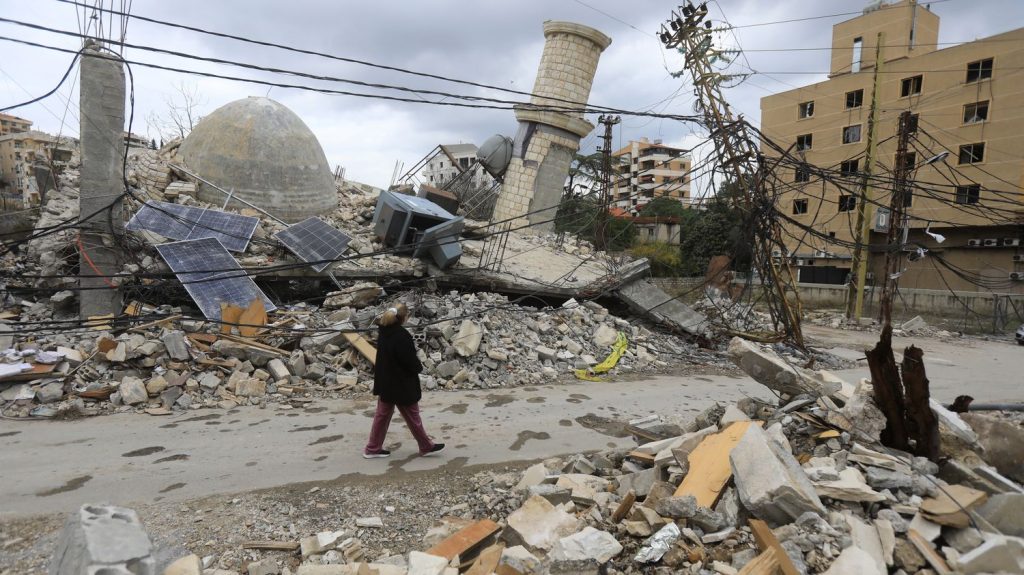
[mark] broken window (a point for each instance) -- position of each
(976, 113)
(979, 70)
(910, 86)
(847, 203)
(858, 47)
(807, 109)
(968, 194)
(803, 142)
(799, 207)
(851, 134)
(803, 174)
(849, 167)
(855, 99)
(972, 153)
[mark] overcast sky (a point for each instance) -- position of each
(495, 43)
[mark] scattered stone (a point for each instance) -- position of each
(588, 544)
(538, 524)
(101, 539)
(133, 391)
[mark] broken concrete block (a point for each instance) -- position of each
(553, 493)
(854, 561)
(188, 565)
(278, 370)
(534, 475)
(297, 363)
(952, 423)
(102, 539)
(1003, 443)
(1005, 512)
(518, 559)
(467, 340)
(584, 487)
(50, 392)
(640, 482)
(849, 487)
(357, 296)
(133, 391)
(426, 564)
(546, 353)
(538, 524)
(770, 370)
(866, 538)
(998, 554)
(860, 416)
(732, 414)
(605, 336)
(914, 323)
(681, 507)
(263, 567)
(251, 387)
(589, 544)
(176, 346)
(769, 481)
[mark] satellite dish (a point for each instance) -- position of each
(495, 154)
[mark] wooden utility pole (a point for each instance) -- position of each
(862, 239)
(897, 208)
(606, 181)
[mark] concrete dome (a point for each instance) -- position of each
(266, 154)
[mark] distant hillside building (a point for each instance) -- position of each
(19, 154)
(12, 124)
(646, 170)
(967, 101)
(452, 160)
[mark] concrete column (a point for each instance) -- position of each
(101, 103)
(546, 140)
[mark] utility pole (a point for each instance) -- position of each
(606, 180)
(897, 224)
(100, 202)
(862, 239)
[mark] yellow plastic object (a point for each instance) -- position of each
(618, 348)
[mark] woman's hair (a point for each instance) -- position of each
(394, 315)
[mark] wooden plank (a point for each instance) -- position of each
(465, 539)
(272, 545)
(709, 465)
(947, 508)
(252, 343)
(38, 370)
(487, 562)
(766, 563)
(766, 540)
(929, 553)
(642, 457)
(365, 348)
(159, 322)
(624, 506)
(252, 319)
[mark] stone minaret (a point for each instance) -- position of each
(546, 140)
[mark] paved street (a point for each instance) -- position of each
(54, 466)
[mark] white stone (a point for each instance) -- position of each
(998, 554)
(849, 487)
(133, 391)
(426, 564)
(519, 559)
(605, 336)
(371, 522)
(187, 565)
(277, 369)
(865, 537)
(589, 544)
(534, 475)
(539, 524)
(732, 415)
(467, 340)
(102, 538)
(854, 561)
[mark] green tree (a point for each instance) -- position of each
(663, 206)
(665, 259)
(719, 229)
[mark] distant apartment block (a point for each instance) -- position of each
(13, 124)
(452, 160)
(19, 154)
(965, 100)
(645, 170)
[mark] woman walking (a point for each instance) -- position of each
(396, 383)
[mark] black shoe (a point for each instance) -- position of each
(377, 455)
(437, 448)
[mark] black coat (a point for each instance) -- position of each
(396, 377)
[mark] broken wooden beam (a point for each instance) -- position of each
(709, 464)
(365, 348)
(271, 545)
(465, 539)
(766, 540)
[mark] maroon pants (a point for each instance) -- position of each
(382, 419)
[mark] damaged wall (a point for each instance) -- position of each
(546, 140)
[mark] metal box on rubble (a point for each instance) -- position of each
(417, 225)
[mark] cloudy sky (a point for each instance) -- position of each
(488, 42)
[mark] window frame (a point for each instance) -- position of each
(805, 110)
(984, 104)
(980, 157)
(850, 129)
(801, 174)
(804, 206)
(858, 95)
(908, 84)
(967, 192)
(847, 203)
(981, 71)
(844, 167)
(809, 139)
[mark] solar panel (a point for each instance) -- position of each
(211, 275)
(179, 222)
(314, 240)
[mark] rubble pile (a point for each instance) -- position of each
(798, 486)
(721, 310)
(916, 325)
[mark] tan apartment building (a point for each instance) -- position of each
(19, 153)
(645, 170)
(12, 124)
(966, 100)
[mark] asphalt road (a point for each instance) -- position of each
(125, 459)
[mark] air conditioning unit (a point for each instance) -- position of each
(1019, 258)
(974, 243)
(1017, 276)
(1011, 242)
(991, 242)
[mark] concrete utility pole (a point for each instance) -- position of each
(606, 180)
(897, 208)
(862, 239)
(101, 103)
